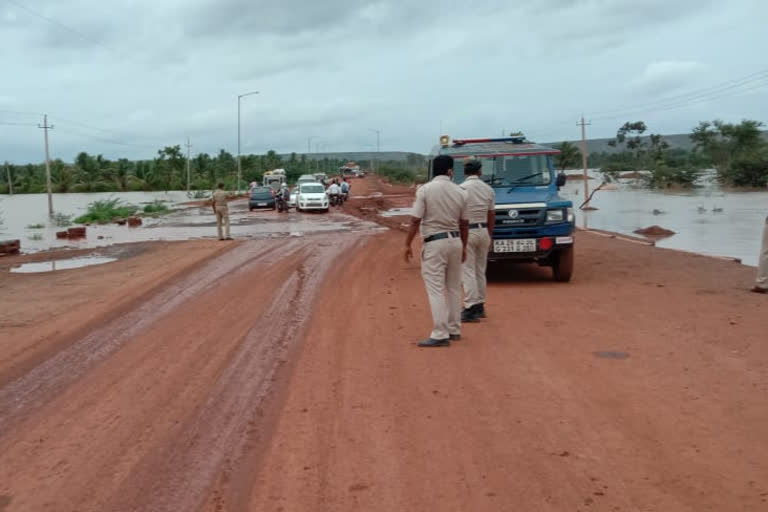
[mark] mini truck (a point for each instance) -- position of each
(533, 223)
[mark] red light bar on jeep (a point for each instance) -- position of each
(461, 142)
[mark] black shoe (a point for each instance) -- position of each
(454, 337)
(479, 310)
(469, 315)
(430, 342)
(759, 289)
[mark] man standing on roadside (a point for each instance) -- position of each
(761, 284)
(440, 211)
(221, 210)
(482, 216)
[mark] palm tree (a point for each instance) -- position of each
(569, 156)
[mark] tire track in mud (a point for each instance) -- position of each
(217, 441)
(24, 395)
(183, 447)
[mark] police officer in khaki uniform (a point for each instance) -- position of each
(482, 216)
(440, 210)
(761, 284)
(221, 210)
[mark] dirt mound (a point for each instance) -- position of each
(654, 231)
(368, 205)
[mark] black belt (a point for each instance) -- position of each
(440, 236)
(478, 225)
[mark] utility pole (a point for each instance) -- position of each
(189, 146)
(584, 125)
(378, 144)
(45, 128)
(239, 166)
(309, 152)
(8, 175)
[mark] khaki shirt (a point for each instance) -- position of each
(480, 199)
(440, 204)
(219, 198)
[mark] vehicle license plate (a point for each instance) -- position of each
(261, 204)
(526, 245)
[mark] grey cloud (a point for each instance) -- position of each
(226, 18)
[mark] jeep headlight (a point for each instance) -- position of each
(554, 215)
(571, 218)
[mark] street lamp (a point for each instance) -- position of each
(378, 145)
(309, 152)
(239, 166)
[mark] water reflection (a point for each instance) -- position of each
(54, 265)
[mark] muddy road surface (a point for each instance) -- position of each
(144, 411)
(282, 375)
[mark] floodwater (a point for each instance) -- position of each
(706, 220)
(20, 212)
(54, 265)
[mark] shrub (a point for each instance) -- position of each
(156, 207)
(105, 210)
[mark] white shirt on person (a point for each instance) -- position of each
(440, 204)
(480, 199)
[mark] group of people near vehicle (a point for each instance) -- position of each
(456, 224)
(338, 192)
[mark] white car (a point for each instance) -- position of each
(294, 196)
(311, 196)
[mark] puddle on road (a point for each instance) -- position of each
(395, 212)
(607, 354)
(197, 223)
(54, 265)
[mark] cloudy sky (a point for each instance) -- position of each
(125, 77)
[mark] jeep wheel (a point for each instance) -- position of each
(562, 265)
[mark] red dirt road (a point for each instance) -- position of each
(282, 375)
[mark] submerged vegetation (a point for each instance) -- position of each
(737, 152)
(156, 207)
(105, 211)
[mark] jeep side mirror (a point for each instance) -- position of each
(560, 180)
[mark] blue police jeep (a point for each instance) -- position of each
(533, 223)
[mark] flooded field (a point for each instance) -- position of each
(22, 213)
(706, 220)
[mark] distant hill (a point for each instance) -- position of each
(361, 157)
(675, 141)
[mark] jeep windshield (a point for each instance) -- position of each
(514, 171)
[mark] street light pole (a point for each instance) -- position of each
(239, 165)
(309, 152)
(378, 144)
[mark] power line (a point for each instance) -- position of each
(17, 112)
(59, 119)
(57, 23)
(109, 141)
(743, 84)
(16, 124)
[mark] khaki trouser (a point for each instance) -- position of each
(474, 268)
(222, 216)
(441, 271)
(762, 268)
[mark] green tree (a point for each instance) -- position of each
(169, 166)
(273, 161)
(569, 156)
(738, 151)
